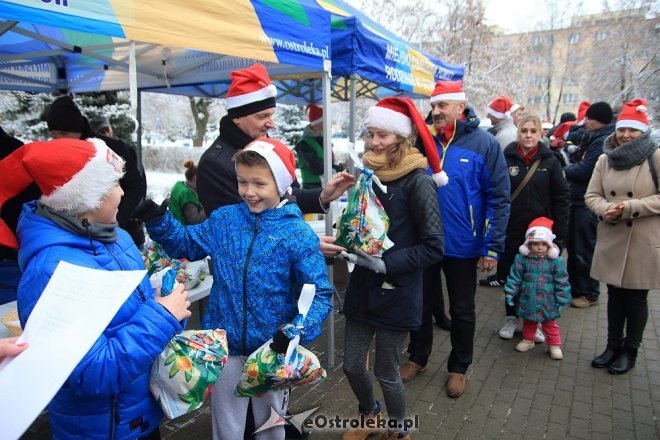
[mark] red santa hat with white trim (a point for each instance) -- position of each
(73, 175)
(314, 114)
(399, 116)
(280, 159)
(448, 91)
(563, 130)
(250, 91)
(582, 112)
(634, 115)
(500, 107)
(540, 230)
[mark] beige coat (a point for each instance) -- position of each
(628, 251)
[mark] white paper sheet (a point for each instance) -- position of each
(74, 309)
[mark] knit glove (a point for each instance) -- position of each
(509, 299)
(149, 212)
(365, 260)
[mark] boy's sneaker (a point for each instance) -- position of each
(555, 352)
(509, 327)
(539, 338)
(491, 281)
(525, 345)
(583, 302)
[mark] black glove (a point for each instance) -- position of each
(148, 211)
(280, 342)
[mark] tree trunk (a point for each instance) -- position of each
(200, 112)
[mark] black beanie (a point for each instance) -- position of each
(566, 117)
(601, 112)
(64, 115)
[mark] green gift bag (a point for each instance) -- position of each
(364, 223)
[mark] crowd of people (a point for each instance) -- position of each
(459, 200)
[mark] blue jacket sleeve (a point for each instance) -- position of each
(120, 354)
(514, 280)
(497, 188)
(562, 286)
(192, 242)
(309, 268)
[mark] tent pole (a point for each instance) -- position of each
(139, 127)
(132, 86)
(351, 112)
(327, 175)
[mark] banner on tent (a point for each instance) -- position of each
(12, 75)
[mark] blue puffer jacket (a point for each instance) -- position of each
(260, 263)
(541, 286)
(107, 396)
(475, 203)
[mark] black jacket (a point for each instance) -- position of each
(545, 195)
(578, 174)
(134, 182)
(411, 203)
(216, 173)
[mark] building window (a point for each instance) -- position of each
(602, 35)
(534, 100)
(570, 98)
(573, 38)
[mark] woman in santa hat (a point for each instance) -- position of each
(384, 295)
(75, 220)
(623, 193)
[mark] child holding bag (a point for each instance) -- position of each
(539, 282)
(263, 253)
(384, 295)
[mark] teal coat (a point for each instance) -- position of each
(540, 286)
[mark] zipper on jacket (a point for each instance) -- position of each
(114, 417)
(86, 225)
(245, 273)
(474, 230)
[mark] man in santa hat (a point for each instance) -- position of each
(499, 113)
(250, 104)
(475, 211)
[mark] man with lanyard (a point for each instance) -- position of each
(475, 211)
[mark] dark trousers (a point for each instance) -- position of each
(503, 268)
(626, 308)
(580, 246)
(461, 277)
(421, 341)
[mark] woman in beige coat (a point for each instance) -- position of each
(623, 193)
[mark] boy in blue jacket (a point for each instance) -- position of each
(262, 253)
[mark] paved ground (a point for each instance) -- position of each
(510, 395)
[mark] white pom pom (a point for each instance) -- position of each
(553, 252)
(641, 108)
(441, 178)
(523, 249)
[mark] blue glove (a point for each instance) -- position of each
(509, 300)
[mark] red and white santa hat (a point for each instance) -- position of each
(399, 116)
(563, 130)
(500, 107)
(250, 91)
(280, 159)
(545, 125)
(514, 107)
(448, 91)
(634, 115)
(314, 114)
(73, 175)
(540, 230)
(582, 112)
